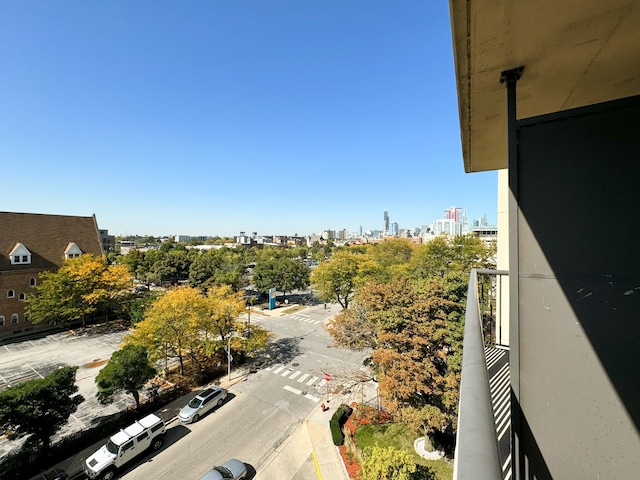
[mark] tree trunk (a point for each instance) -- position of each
(136, 397)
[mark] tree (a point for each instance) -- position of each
(218, 267)
(79, 288)
(40, 407)
(387, 463)
(427, 419)
(336, 279)
(173, 266)
(185, 324)
(281, 272)
(441, 256)
(392, 257)
(128, 370)
(168, 329)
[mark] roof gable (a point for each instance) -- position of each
(19, 249)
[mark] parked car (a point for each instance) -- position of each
(202, 403)
(232, 469)
(52, 474)
(144, 434)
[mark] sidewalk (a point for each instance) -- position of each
(312, 437)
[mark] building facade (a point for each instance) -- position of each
(33, 243)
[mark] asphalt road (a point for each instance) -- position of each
(259, 414)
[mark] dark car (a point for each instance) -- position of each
(52, 474)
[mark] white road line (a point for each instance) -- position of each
(278, 370)
(313, 379)
(292, 390)
(295, 374)
(303, 377)
(35, 371)
(285, 373)
(312, 398)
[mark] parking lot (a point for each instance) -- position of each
(88, 349)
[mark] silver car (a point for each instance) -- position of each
(202, 403)
(232, 469)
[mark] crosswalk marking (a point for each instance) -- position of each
(295, 374)
(303, 377)
(278, 370)
(305, 319)
(299, 392)
(313, 379)
(285, 373)
(292, 390)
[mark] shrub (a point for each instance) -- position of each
(338, 419)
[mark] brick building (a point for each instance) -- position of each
(30, 244)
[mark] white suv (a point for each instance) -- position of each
(124, 446)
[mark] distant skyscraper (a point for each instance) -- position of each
(385, 223)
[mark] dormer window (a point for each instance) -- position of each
(72, 251)
(20, 255)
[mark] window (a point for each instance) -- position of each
(156, 427)
(1, 320)
(127, 446)
(20, 255)
(11, 294)
(14, 318)
(32, 282)
(142, 436)
(72, 251)
(22, 297)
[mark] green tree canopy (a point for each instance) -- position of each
(223, 266)
(40, 407)
(128, 370)
(280, 271)
(172, 266)
(336, 279)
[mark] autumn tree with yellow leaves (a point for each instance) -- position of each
(188, 325)
(80, 288)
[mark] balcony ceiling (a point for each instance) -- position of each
(574, 53)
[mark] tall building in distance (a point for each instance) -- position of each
(453, 222)
(385, 223)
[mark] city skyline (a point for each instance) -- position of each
(358, 231)
(223, 117)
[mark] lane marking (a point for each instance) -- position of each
(292, 390)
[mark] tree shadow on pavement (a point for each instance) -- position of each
(282, 350)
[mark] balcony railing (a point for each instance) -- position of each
(478, 455)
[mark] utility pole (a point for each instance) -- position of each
(229, 357)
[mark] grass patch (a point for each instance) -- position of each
(400, 436)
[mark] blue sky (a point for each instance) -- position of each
(215, 117)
